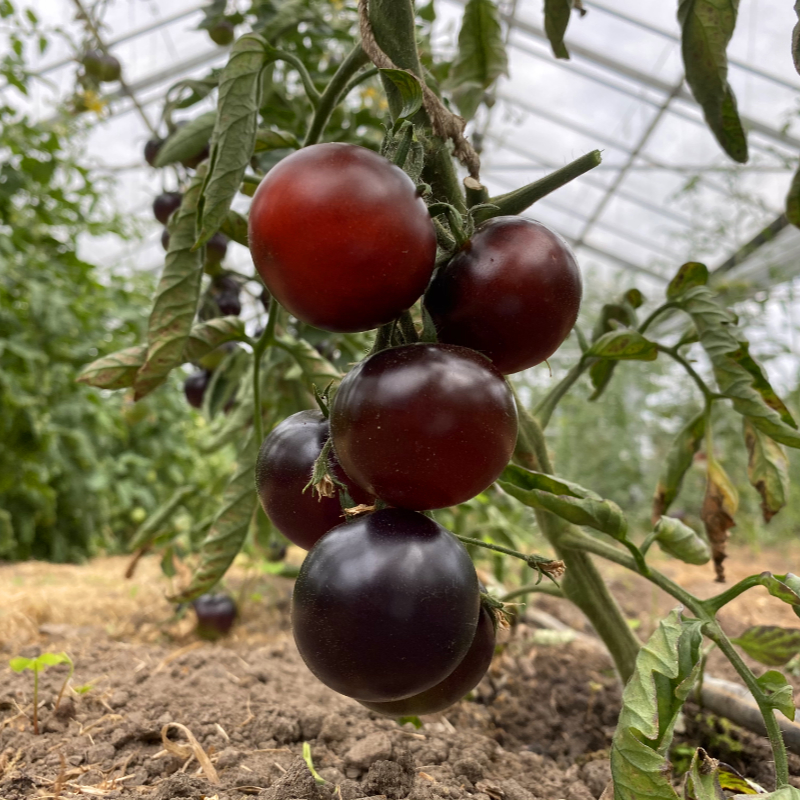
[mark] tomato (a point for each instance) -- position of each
(216, 614)
(229, 304)
(216, 248)
(151, 150)
(194, 387)
(341, 238)
(165, 238)
(385, 606)
(512, 293)
(165, 204)
(284, 466)
(463, 679)
(424, 425)
(221, 33)
(103, 68)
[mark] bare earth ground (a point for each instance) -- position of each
(538, 727)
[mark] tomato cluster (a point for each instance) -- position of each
(387, 606)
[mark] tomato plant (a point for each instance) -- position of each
(283, 473)
(424, 426)
(372, 251)
(385, 606)
(513, 293)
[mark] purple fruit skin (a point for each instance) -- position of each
(194, 387)
(216, 614)
(165, 204)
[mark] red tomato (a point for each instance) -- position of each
(424, 426)
(512, 293)
(341, 238)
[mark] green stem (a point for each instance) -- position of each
(359, 79)
(701, 384)
(717, 635)
(383, 337)
(407, 328)
(405, 144)
(657, 313)
(714, 604)
(394, 26)
(582, 583)
(648, 542)
(264, 341)
(533, 561)
(454, 218)
(517, 201)
(334, 91)
(532, 588)
(308, 84)
(547, 405)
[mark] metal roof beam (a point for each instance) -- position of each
(625, 195)
(672, 37)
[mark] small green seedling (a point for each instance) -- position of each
(37, 665)
(310, 764)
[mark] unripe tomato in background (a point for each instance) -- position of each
(425, 425)
(283, 468)
(339, 235)
(512, 293)
(385, 606)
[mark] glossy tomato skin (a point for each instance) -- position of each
(512, 293)
(463, 679)
(385, 606)
(424, 426)
(341, 238)
(283, 468)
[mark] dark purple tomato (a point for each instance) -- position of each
(151, 150)
(385, 606)
(221, 33)
(229, 304)
(284, 466)
(165, 238)
(340, 237)
(194, 387)
(216, 614)
(216, 248)
(165, 204)
(463, 679)
(512, 293)
(424, 425)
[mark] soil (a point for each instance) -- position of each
(145, 690)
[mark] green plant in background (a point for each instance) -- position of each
(77, 470)
(288, 367)
(37, 665)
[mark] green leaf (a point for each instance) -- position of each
(738, 376)
(706, 29)
(796, 38)
(767, 469)
(234, 226)
(793, 197)
(229, 530)
(681, 541)
(481, 56)
(176, 297)
(784, 587)
(276, 140)
(666, 668)
(623, 345)
(151, 527)
(702, 779)
(720, 504)
(20, 664)
(679, 459)
(568, 500)
(780, 693)
(733, 781)
(207, 336)
(234, 138)
(314, 367)
(786, 793)
(693, 273)
(415, 721)
(770, 644)
(556, 20)
(410, 90)
(115, 371)
(188, 141)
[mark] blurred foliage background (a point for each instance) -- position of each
(81, 469)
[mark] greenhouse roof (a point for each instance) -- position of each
(664, 193)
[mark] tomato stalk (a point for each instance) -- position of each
(266, 339)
